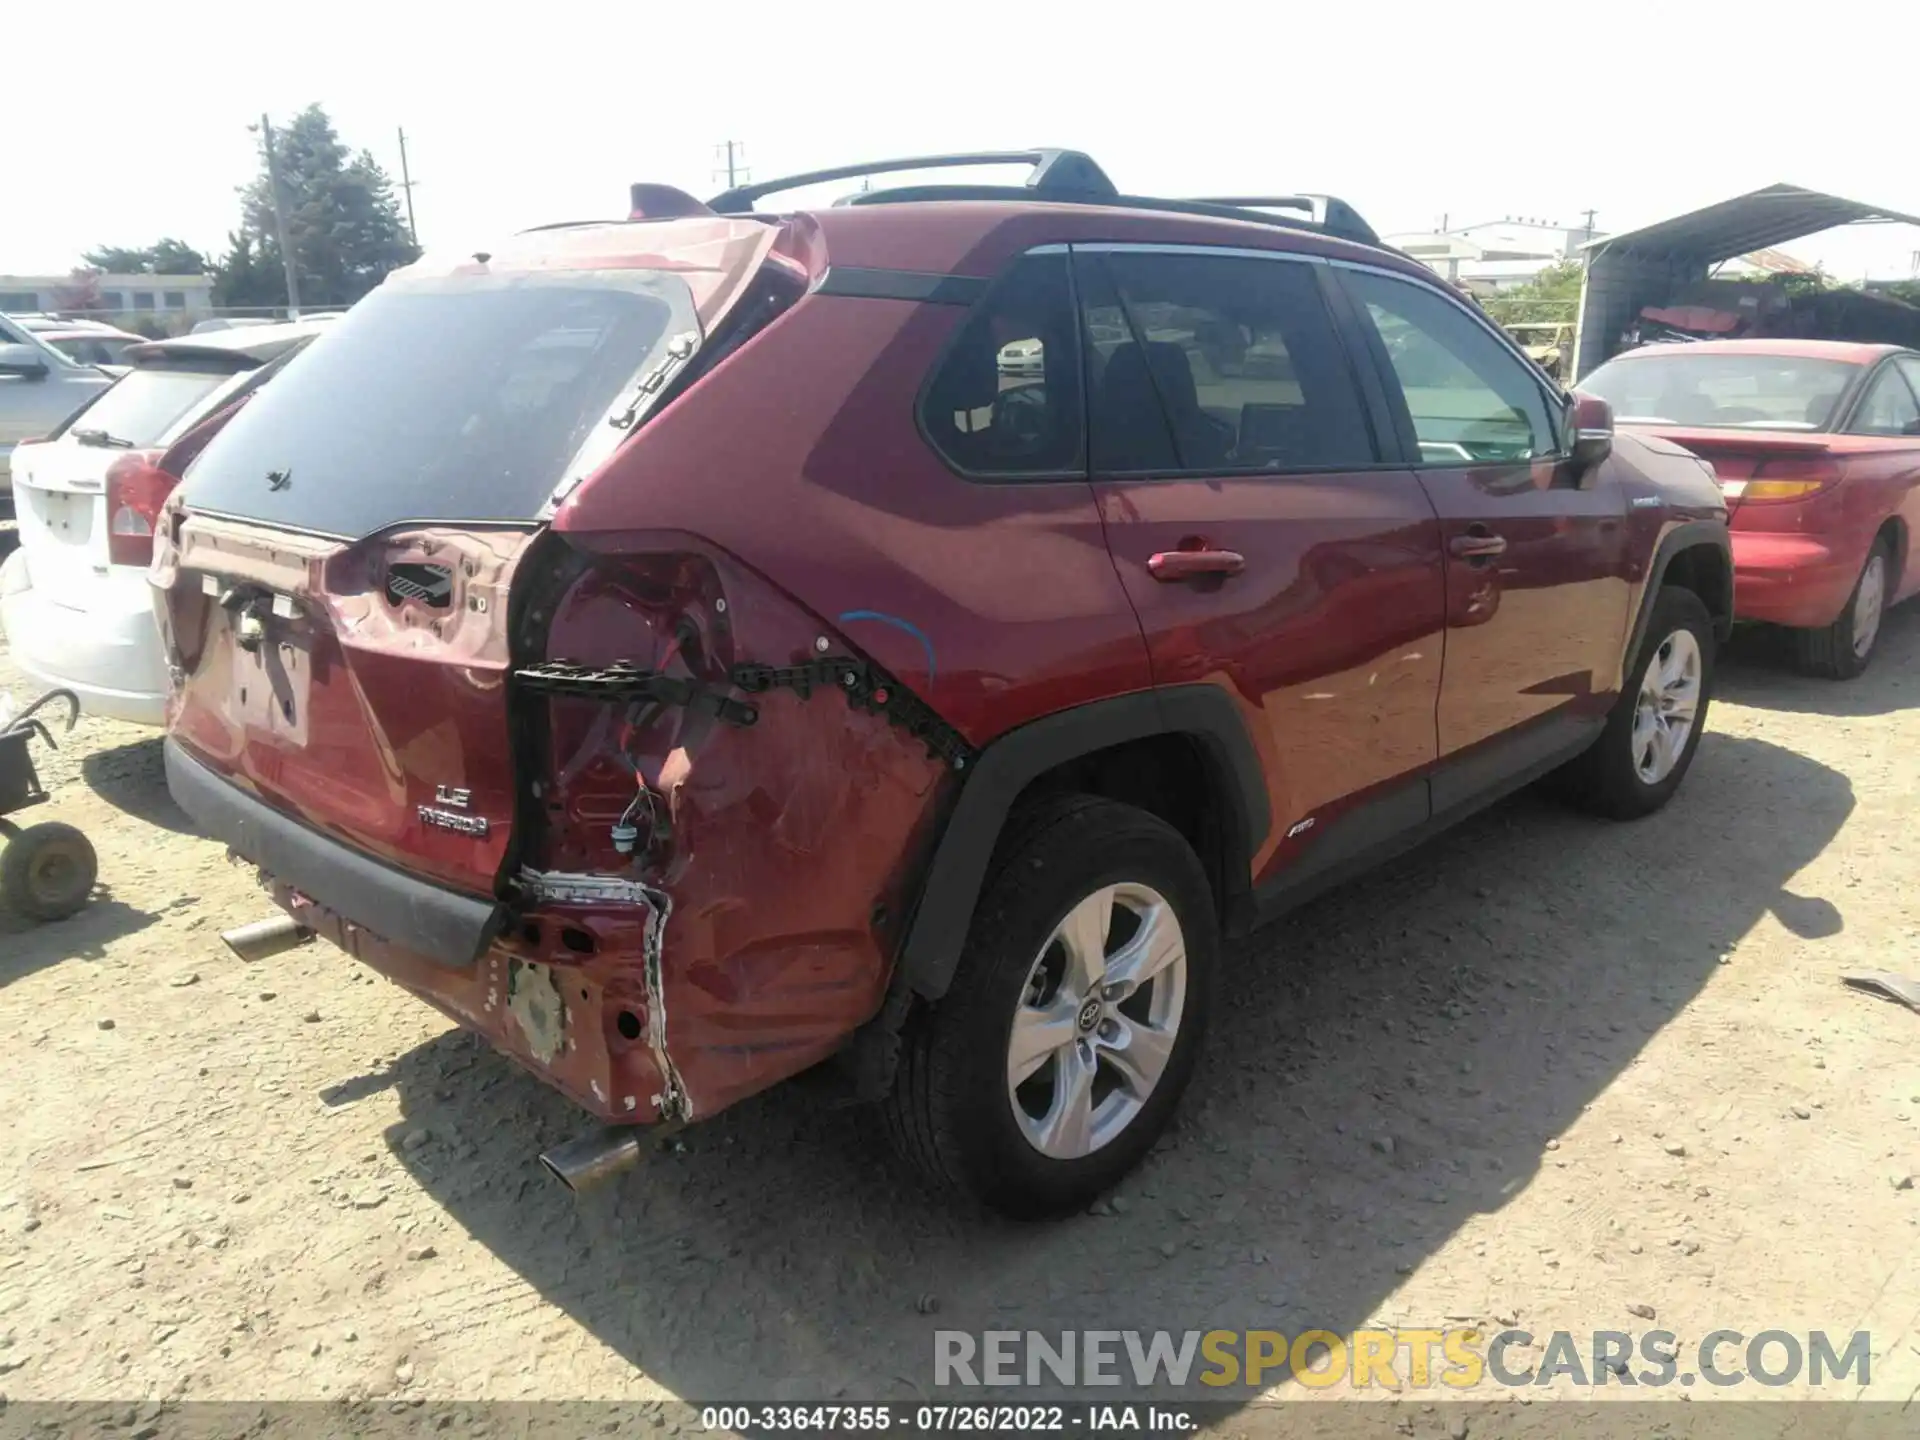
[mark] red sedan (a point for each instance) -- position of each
(1817, 446)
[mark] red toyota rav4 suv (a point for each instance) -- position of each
(909, 632)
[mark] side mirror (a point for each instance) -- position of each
(1591, 420)
(22, 360)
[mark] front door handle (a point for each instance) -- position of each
(1173, 565)
(1477, 543)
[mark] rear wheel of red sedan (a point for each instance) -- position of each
(1649, 741)
(1073, 1022)
(1843, 649)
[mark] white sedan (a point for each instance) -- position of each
(73, 597)
(1023, 357)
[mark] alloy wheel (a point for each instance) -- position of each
(1669, 700)
(1097, 1021)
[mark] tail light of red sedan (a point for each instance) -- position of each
(1789, 479)
(136, 489)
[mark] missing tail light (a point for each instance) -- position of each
(136, 489)
(1775, 481)
(431, 585)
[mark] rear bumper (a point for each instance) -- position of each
(109, 657)
(581, 1028)
(1797, 580)
(443, 925)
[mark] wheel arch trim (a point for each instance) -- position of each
(1687, 535)
(956, 872)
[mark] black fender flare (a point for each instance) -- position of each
(957, 869)
(1685, 536)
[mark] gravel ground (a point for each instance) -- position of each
(1543, 1070)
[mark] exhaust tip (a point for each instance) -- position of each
(264, 939)
(596, 1157)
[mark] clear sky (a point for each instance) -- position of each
(135, 114)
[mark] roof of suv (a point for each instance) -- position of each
(936, 229)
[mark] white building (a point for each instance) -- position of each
(132, 295)
(1494, 255)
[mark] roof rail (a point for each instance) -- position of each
(1329, 212)
(1340, 219)
(1056, 174)
(1066, 176)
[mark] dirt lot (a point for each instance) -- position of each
(1544, 1070)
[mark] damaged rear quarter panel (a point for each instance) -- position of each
(582, 1048)
(797, 472)
(779, 850)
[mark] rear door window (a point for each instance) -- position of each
(1472, 401)
(148, 403)
(1232, 362)
(1910, 367)
(463, 399)
(1128, 435)
(1888, 408)
(1004, 403)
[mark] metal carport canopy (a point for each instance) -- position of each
(1641, 267)
(1748, 222)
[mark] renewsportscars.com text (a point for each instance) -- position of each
(1417, 1359)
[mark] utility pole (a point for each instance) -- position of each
(735, 166)
(280, 221)
(406, 184)
(1590, 215)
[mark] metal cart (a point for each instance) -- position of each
(46, 871)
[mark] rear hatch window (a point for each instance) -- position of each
(1751, 391)
(464, 399)
(144, 406)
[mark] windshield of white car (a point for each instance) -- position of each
(144, 406)
(1722, 391)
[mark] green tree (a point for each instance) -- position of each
(164, 257)
(343, 222)
(1552, 295)
(248, 276)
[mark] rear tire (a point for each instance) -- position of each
(1642, 756)
(47, 872)
(1112, 1066)
(1844, 649)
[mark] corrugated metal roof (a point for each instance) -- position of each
(1746, 223)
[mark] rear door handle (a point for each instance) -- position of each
(1477, 543)
(1174, 565)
